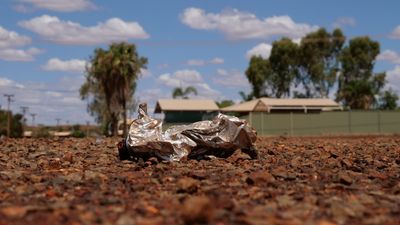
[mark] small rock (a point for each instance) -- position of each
(68, 157)
(199, 174)
(14, 212)
(238, 156)
(197, 210)
(345, 178)
(259, 178)
(125, 219)
(187, 185)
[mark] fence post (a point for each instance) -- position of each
(262, 123)
(349, 121)
(291, 123)
(379, 121)
(250, 119)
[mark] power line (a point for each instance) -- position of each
(33, 118)
(24, 110)
(9, 100)
(58, 121)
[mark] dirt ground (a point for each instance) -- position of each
(323, 180)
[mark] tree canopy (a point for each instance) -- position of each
(257, 73)
(318, 61)
(320, 64)
(283, 64)
(183, 92)
(16, 129)
(388, 100)
(358, 84)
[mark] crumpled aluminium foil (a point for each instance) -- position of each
(221, 136)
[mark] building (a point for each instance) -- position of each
(186, 110)
(279, 105)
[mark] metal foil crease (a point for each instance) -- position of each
(220, 136)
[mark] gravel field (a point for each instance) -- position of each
(308, 180)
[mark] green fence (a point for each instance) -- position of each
(325, 123)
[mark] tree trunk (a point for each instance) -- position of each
(124, 127)
(114, 126)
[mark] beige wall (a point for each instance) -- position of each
(326, 123)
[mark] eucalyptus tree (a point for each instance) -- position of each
(358, 85)
(283, 63)
(257, 73)
(388, 100)
(318, 59)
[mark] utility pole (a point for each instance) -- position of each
(58, 121)
(9, 100)
(24, 110)
(58, 124)
(33, 118)
(87, 128)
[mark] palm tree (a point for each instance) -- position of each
(183, 93)
(246, 97)
(111, 80)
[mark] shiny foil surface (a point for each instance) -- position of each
(220, 136)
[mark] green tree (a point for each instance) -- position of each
(319, 61)
(16, 129)
(183, 92)
(358, 85)
(111, 83)
(283, 63)
(257, 74)
(246, 97)
(388, 100)
(225, 103)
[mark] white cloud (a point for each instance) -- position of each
(185, 78)
(217, 61)
(60, 5)
(72, 65)
(5, 82)
(68, 32)
(9, 39)
(22, 8)
(297, 41)
(162, 66)
(180, 78)
(232, 78)
(393, 78)
(263, 50)
(389, 55)
(167, 80)
(53, 94)
(344, 21)
(145, 73)
(19, 54)
(396, 33)
(197, 62)
(236, 24)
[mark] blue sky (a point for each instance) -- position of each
(44, 44)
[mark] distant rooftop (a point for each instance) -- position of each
(268, 104)
(185, 105)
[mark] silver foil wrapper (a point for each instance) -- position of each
(220, 136)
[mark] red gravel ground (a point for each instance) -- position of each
(324, 180)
